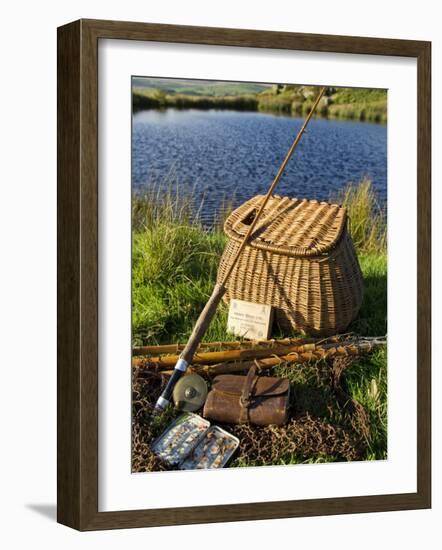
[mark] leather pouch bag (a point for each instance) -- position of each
(255, 399)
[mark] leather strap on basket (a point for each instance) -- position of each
(246, 394)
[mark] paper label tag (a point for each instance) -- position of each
(248, 320)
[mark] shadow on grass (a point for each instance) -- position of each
(372, 319)
(309, 399)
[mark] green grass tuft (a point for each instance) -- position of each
(368, 226)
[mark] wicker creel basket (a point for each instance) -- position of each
(300, 259)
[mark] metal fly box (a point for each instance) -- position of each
(192, 444)
(180, 438)
(213, 451)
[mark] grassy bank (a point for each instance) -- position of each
(157, 99)
(175, 262)
(342, 103)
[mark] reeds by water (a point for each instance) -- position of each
(147, 99)
(368, 224)
(345, 103)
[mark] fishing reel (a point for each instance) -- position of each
(190, 392)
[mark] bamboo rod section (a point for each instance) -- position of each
(353, 349)
(187, 355)
(267, 196)
(234, 360)
(245, 344)
(202, 358)
(215, 356)
(223, 356)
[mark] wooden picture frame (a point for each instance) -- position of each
(78, 274)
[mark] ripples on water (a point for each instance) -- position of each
(229, 156)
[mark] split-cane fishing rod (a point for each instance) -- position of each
(218, 292)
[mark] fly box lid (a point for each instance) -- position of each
(191, 443)
(214, 450)
(180, 438)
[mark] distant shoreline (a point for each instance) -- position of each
(370, 106)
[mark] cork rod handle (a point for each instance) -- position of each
(203, 323)
(188, 352)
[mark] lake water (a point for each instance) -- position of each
(231, 155)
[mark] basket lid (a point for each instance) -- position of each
(290, 226)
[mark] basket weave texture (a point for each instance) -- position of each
(300, 259)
